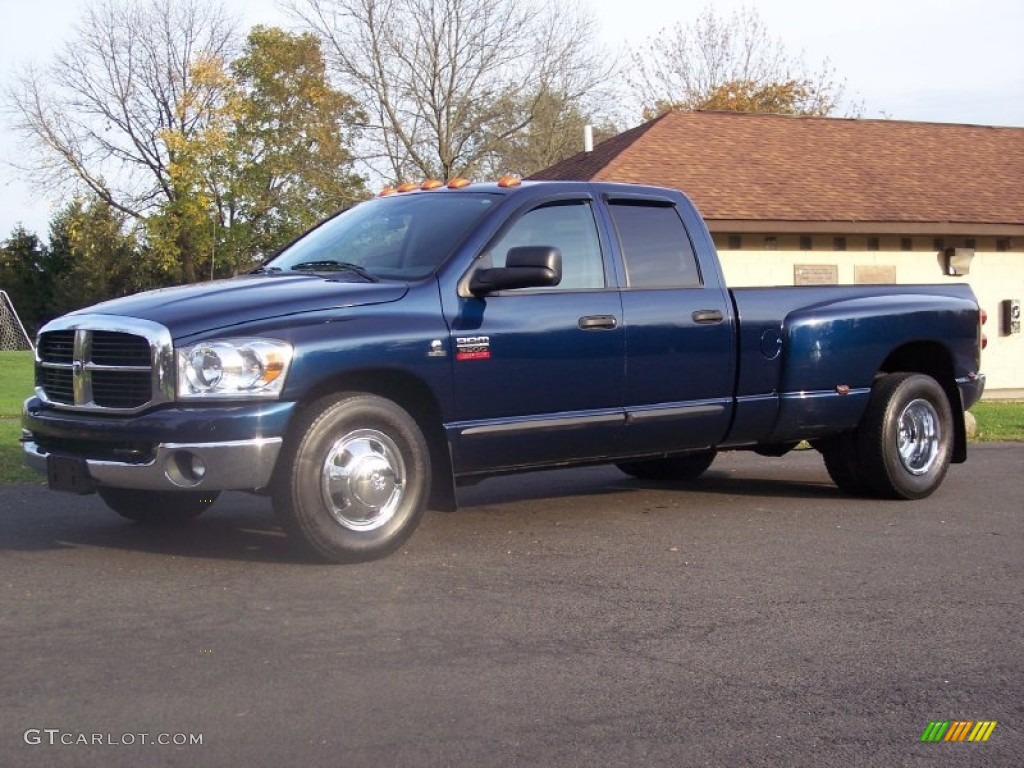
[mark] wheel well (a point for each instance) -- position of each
(415, 397)
(933, 359)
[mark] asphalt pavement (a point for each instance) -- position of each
(574, 618)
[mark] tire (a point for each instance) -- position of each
(842, 461)
(354, 479)
(905, 439)
(669, 469)
(157, 507)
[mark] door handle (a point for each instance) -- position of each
(707, 316)
(597, 322)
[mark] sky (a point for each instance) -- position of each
(951, 61)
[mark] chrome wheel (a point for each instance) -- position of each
(920, 436)
(363, 480)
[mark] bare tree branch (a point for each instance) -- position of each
(448, 82)
(99, 116)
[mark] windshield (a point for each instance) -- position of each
(402, 237)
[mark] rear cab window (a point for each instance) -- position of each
(656, 250)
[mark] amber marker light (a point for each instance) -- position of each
(431, 184)
(509, 181)
(407, 186)
(386, 191)
(458, 183)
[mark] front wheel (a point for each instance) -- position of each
(157, 507)
(669, 469)
(905, 440)
(354, 479)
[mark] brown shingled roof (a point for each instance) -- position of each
(751, 167)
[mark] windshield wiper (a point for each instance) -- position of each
(329, 266)
(265, 270)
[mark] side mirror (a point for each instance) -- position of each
(528, 266)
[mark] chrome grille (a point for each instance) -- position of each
(113, 348)
(104, 363)
(57, 346)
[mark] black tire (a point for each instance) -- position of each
(669, 469)
(157, 507)
(354, 479)
(842, 461)
(905, 440)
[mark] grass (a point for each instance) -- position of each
(16, 383)
(999, 420)
(996, 420)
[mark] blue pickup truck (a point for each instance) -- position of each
(430, 338)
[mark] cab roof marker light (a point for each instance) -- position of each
(430, 184)
(386, 191)
(509, 181)
(458, 183)
(407, 186)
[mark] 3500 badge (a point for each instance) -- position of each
(472, 347)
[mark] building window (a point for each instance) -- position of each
(839, 244)
(1002, 244)
(939, 244)
(906, 244)
(873, 244)
(735, 242)
(806, 243)
(771, 243)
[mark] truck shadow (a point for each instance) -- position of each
(605, 481)
(238, 527)
(241, 527)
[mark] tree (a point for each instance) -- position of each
(23, 276)
(555, 133)
(92, 256)
(214, 161)
(289, 144)
(100, 116)
(732, 64)
(272, 159)
(437, 77)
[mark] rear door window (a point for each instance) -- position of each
(656, 250)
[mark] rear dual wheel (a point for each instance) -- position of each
(904, 444)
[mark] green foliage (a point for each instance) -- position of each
(271, 159)
(17, 380)
(16, 383)
(24, 275)
(999, 420)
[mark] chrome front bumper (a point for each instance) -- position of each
(234, 465)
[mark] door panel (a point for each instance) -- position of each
(679, 334)
(539, 372)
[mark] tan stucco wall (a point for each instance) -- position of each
(994, 276)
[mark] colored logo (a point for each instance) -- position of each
(958, 730)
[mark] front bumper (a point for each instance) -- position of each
(202, 448)
(235, 465)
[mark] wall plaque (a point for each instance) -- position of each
(815, 274)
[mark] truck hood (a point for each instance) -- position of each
(190, 309)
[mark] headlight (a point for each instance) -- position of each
(233, 368)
